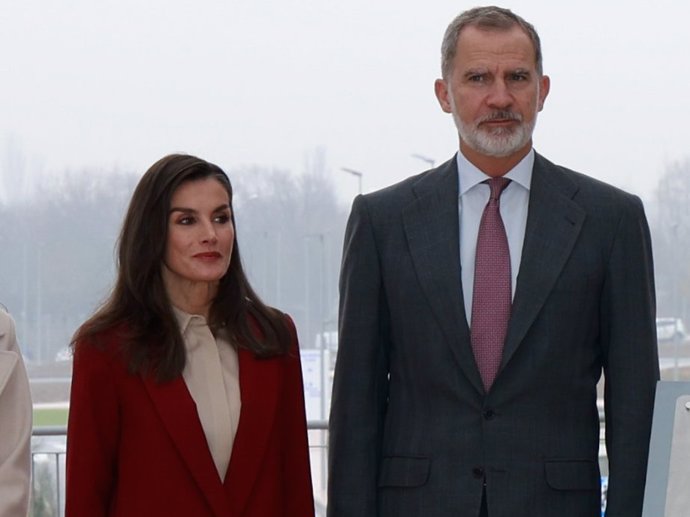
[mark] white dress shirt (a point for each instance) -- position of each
(211, 373)
(473, 197)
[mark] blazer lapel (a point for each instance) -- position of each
(432, 228)
(177, 411)
(553, 225)
(260, 381)
(8, 362)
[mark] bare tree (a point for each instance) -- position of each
(58, 254)
(58, 248)
(290, 231)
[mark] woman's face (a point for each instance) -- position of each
(200, 235)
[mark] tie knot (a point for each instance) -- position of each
(497, 186)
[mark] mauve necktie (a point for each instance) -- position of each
(491, 298)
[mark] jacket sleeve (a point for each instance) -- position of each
(631, 364)
(92, 434)
(360, 386)
(297, 489)
(15, 425)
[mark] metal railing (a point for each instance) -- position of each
(48, 448)
(48, 469)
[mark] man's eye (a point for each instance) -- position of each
(519, 77)
(476, 78)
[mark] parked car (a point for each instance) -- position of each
(64, 354)
(670, 330)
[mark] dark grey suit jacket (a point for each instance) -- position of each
(412, 431)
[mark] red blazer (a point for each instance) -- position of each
(136, 447)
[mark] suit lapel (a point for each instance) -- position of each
(553, 225)
(432, 228)
(260, 381)
(177, 411)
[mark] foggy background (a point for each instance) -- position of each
(283, 95)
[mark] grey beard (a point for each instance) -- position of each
(500, 142)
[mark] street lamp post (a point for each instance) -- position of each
(355, 173)
(425, 159)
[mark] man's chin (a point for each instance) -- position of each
(500, 143)
(496, 149)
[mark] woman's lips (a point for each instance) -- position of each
(207, 255)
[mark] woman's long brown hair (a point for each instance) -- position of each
(139, 310)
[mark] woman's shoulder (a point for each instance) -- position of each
(104, 345)
(287, 335)
(254, 319)
(283, 317)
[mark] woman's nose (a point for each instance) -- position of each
(209, 233)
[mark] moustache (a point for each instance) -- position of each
(501, 115)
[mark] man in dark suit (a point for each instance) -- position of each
(474, 328)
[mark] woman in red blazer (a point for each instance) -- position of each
(187, 392)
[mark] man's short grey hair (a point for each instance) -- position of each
(487, 18)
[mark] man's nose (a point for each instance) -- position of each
(499, 95)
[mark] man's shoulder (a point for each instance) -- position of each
(412, 186)
(402, 188)
(584, 186)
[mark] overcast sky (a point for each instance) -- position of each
(118, 84)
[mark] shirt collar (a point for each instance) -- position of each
(469, 175)
(184, 319)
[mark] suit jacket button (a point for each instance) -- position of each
(489, 414)
(478, 472)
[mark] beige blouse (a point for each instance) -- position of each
(211, 373)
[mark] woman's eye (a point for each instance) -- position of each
(223, 218)
(185, 220)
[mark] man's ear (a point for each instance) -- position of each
(544, 87)
(441, 90)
